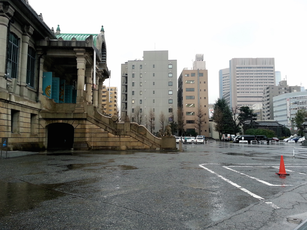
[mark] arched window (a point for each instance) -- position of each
(31, 67)
(12, 55)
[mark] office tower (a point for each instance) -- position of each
(193, 98)
(224, 79)
(149, 89)
(109, 100)
(247, 79)
(271, 91)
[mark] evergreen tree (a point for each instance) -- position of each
(299, 120)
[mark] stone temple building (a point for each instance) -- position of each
(51, 88)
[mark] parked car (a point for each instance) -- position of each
(200, 139)
(247, 138)
(274, 139)
(301, 139)
(178, 139)
(189, 140)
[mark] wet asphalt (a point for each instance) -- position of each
(154, 190)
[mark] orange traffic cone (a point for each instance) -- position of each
(282, 170)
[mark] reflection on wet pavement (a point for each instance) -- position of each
(16, 197)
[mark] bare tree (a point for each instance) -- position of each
(200, 119)
(138, 115)
(151, 120)
(181, 123)
(162, 121)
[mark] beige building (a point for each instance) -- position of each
(109, 100)
(193, 98)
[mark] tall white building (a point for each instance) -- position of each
(247, 79)
(286, 105)
(149, 90)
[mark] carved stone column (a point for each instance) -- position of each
(95, 93)
(6, 13)
(100, 93)
(28, 31)
(81, 65)
(89, 93)
(41, 60)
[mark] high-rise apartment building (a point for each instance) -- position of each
(271, 91)
(193, 97)
(109, 100)
(247, 79)
(149, 90)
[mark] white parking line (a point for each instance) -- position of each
(239, 187)
(254, 178)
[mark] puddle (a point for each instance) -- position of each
(80, 166)
(240, 154)
(17, 197)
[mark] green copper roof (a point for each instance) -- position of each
(79, 37)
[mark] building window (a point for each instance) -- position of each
(153, 74)
(170, 119)
(141, 66)
(189, 81)
(132, 66)
(190, 105)
(15, 121)
(170, 92)
(141, 92)
(153, 83)
(31, 67)
(170, 83)
(201, 74)
(170, 110)
(141, 75)
(133, 83)
(190, 121)
(170, 74)
(12, 55)
(132, 110)
(153, 92)
(132, 92)
(141, 83)
(141, 101)
(170, 101)
(132, 75)
(33, 123)
(153, 100)
(190, 113)
(170, 66)
(186, 75)
(132, 102)
(153, 66)
(189, 89)
(189, 97)
(192, 74)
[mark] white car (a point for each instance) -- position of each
(200, 139)
(301, 139)
(190, 140)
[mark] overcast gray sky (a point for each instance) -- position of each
(219, 29)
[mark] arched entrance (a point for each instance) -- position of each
(60, 136)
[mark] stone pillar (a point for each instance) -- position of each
(95, 93)
(6, 13)
(28, 31)
(100, 85)
(40, 74)
(81, 64)
(88, 75)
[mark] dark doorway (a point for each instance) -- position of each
(60, 136)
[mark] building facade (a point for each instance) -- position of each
(51, 88)
(286, 105)
(193, 98)
(149, 90)
(224, 86)
(271, 91)
(247, 79)
(109, 101)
